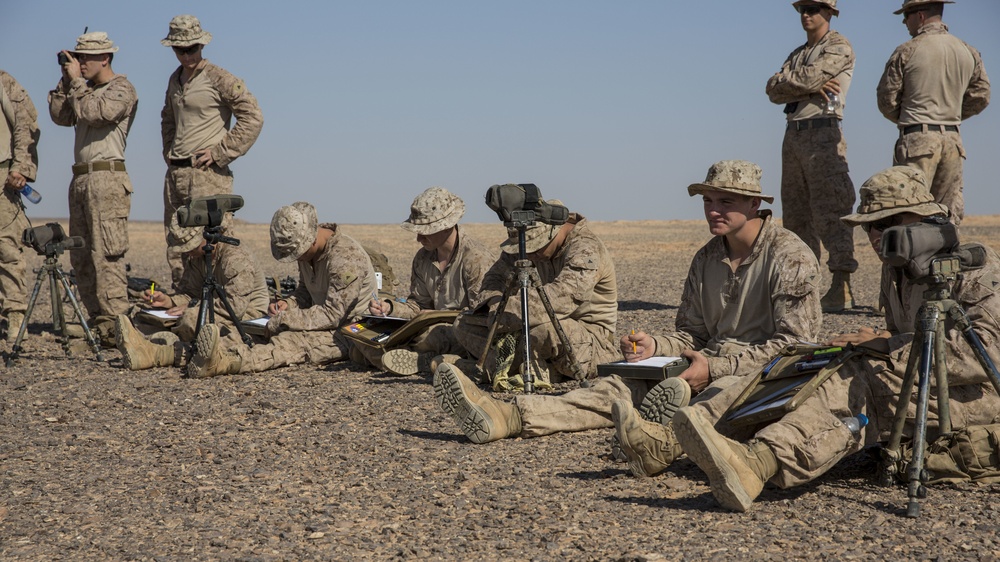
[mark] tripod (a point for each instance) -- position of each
(929, 343)
(525, 275)
(211, 288)
(53, 270)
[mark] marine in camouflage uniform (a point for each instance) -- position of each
(930, 85)
(810, 440)
(18, 165)
(102, 106)
(198, 141)
(446, 274)
(816, 189)
(232, 268)
(578, 276)
(734, 320)
(336, 281)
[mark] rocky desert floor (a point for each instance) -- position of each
(342, 463)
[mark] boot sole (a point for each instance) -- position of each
(205, 346)
(450, 396)
(702, 449)
(663, 400)
(478, 426)
(401, 362)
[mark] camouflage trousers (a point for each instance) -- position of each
(939, 156)
(811, 439)
(437, 339)
(590, 348)
(579, 409)
(12, 265)
(294, 348)
(99, 203)
(181, 186)
(816, 191)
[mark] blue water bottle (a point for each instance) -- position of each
(854, 424)
(30, 194)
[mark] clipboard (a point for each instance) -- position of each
(257, 326)
(654, 368)
(389, 332)
(788, 381)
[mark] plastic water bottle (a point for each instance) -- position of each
(832, 103)
(30, 194)
(854, 424)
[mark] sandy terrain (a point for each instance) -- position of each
(97, 462)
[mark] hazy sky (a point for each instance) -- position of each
(613, 107)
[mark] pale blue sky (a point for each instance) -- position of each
(612, 107)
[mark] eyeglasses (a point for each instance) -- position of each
(906, 15)
(189, 50)
(810, 9)
(881, 225)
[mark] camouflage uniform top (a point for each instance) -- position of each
(579, 281)
(103, 116)
(805, 71)
(740, 320)
(197, 115)
(935, 79)
(334, 288)
(19, 124)
(976, 292)
(238, 274)
(456, 287)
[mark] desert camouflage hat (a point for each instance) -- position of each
(900, 189)
(434, 210)
(536, 236)
(732, 176)
(94, 43)
(293, 231)
(910, 5)
(185, 31)
(832, 4)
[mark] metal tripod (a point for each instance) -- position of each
(523, 276)
(211, 288)
(929, 341)
(53, 270)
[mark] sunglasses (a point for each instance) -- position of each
(881, 225)
(189, 50)
(810, 9)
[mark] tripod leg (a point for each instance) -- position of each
(224, 299)
(941, 381)
(891, 454)
(79, 314)
(964, 324)
(563, 338)
(511, 276)
(525, 278)
(15, 350)
(58, 315)
(915, 470)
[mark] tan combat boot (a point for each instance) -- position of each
(650, 447)
(663, 400)
(14, 321)
(137, 352)
(405, 362)
(210, 360)
(736, 472)
(482, 418)
(839, 297)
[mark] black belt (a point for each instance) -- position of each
(804, 124)
(928, 128)
(180, 162)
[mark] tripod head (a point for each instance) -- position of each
(50, 240)
(214, 235)
(929, 249)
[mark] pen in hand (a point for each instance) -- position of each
(633, 342)
(375, 296)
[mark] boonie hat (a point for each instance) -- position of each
(94, 43)
(732, 176)
(536, 236)
(900, 189)
(832, 4)
(917, 4)
(434, 210)
(185, 31)
(293, 231)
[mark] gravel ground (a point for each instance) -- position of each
(97, 462)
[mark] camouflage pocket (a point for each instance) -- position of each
(915, 146)
(114, 223)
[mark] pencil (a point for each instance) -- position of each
(633, 343)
